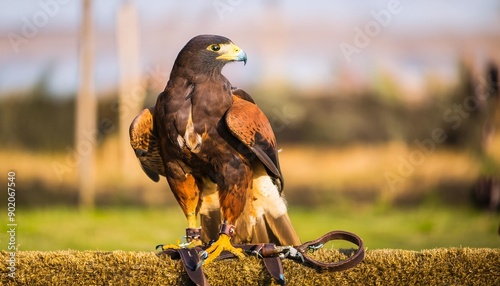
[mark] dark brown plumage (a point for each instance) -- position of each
(218, 150)
(144, 141)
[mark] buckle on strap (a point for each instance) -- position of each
(193, 233)
(227, 229)
(352, 261)
(271, 255)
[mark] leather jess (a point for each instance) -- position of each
(272, 255)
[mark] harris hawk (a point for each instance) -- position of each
(217, 150)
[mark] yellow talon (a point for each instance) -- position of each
(195, 242)
(223, 243)
(170, 246)
(179, 245)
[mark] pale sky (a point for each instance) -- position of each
(297, 41)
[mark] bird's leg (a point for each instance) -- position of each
(193, 232)
(232, 201)
(187, 193)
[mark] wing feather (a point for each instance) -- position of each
(249, 125)
(145, 143)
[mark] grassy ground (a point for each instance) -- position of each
(441, 266)
(140, 229)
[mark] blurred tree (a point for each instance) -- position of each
(487, 190)
(35, 120)
(86, 112)
(132, 88)
(469, 110)
(493, 106)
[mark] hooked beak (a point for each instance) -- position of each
(232, 53)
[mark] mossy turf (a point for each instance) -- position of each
(442, 266)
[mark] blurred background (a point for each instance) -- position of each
(387, 114)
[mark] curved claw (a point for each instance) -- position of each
(169, 246)
(181, 243)
(203, 256)
(254, 252)
(315, 247)
(282, 279)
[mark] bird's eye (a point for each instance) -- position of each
(215, 47)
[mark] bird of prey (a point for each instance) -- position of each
(217, 150)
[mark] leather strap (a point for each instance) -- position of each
(272, 256)
(227, 229)
(192, 234)
(334, 266)
(275, 268)
(190, 260)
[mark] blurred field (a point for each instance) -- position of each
(322, 186)
(327, 188)
(358, 173)
(140, 229)
(328, 175)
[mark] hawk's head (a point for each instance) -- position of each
(209, 53)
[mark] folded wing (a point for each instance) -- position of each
(265, 219)
(144, 141)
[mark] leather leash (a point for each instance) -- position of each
(272, 255)
(352, 261)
